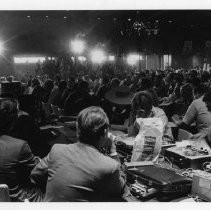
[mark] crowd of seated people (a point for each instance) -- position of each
(169, 90)
(35, 171)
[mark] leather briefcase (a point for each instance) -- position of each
(163, 179)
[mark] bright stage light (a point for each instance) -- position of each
(111, 58)
(51, 58)
(23, 60)
(81, 58)
(77, 46)
(98, 56)
(132, 59)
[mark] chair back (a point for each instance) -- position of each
(183, 135)
(4, 193)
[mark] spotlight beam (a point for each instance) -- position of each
(98, 56)
(77, 46)
(132, 59)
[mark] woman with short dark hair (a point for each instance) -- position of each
(142, 107)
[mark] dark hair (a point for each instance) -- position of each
(71, 79)
(8, 114)
(170, 77)
(158, 80)
(178, 78)
(195, 81)
(142, 100)
(48, 85)
(205, 76)
(194, 73)
(187, 93)
(105, 80)
(35, 82)
(115, 82)
(92, 123)
(200, 89)
(83, 85)
(146, 84)
(62, 85)
(207, 100)
(57, 78)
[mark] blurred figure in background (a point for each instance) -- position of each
(78, 100)
(48, 86)
(56, 94)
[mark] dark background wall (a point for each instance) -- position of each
(111, 29)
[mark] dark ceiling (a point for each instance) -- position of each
(50, 31)
(180, 17)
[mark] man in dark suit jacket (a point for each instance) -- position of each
(16, 158)
(80, 171)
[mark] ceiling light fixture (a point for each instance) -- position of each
(139, 26)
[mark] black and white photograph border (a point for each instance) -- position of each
(105, 5)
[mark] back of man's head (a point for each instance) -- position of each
(92, 124)
(146, 83)
(83, 86)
